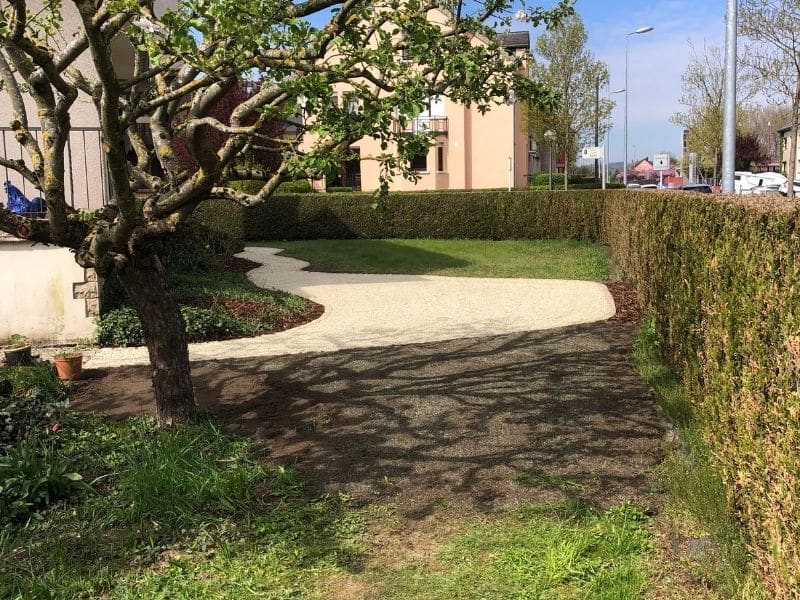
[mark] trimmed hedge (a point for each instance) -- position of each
(722, 277)
(492, 215)
(724, 281)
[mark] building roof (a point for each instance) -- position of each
(515, 39)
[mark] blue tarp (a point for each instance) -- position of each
(20, 205)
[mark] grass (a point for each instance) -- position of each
(568, 551)
(194, 513)
(697, 504)
(546, 259)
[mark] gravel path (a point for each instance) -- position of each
(363, 311)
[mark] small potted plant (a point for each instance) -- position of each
(69, 364)
(17, 350)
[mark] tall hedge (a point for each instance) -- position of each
(724, 282)
(489, 215)
(723, 279)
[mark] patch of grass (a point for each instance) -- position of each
(536, 552)
(697, 504)
(546, 259)
(176, 513)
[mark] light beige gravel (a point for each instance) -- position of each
(383, 310)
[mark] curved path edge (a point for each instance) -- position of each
(387, 310)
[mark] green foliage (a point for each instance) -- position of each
(31, 398)
(210, 324)
(26, 415)
(493, 215)
(724, 280)
(301, 186)
(188, 510)
(339, 190)
(122, 327)
(543, 179)
(32, 477)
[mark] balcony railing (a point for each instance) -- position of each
(436, 125)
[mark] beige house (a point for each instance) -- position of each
(470, 150)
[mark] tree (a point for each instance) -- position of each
(566, 66)
(703, 93)
(748, 151)
(773, 55)
(186, 60)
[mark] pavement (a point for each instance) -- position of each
(363, 311)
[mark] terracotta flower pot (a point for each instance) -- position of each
(69, 367)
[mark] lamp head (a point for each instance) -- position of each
(619, 91)
(549, 135)
(643, 29)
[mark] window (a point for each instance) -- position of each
(351, 103)
(405, 55)
(440, 166)
(419, 162)
(334, 100)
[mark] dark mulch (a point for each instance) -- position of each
(453, 421)
(626, 301)
(239, 265)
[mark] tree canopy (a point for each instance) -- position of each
(186, 60)
(565, 65)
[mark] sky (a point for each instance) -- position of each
(656, 62)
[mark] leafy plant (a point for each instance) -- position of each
(15, 341)
(31, 478)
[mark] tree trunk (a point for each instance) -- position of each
(145, 281)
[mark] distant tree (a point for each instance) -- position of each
(773, 55)
(748, 151)
(564, 64)
(703, 92)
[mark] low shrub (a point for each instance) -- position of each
(301, 186)
(24, 416)
(339, 190)
(122, 327)
(32, 477)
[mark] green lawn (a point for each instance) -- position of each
(191, 513)
(546, 259)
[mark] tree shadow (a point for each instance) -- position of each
(388, 257)
(463, 419)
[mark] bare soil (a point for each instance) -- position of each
(452, 422)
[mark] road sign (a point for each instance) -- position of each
(592, 152)
(661, 162)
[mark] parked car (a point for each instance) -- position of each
(700, 188)
(650, 186)
(745, 182)
(784, 187)
(632, 186)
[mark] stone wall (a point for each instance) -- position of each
(44, 293)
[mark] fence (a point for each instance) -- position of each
(86, 179)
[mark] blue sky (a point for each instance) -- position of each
(657, 61)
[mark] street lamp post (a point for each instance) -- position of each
(627, 37)
(607, 142)
(550, 137)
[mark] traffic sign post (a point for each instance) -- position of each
(661, 164)
(595, 153)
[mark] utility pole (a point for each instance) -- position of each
(729, 119)
(596, 123)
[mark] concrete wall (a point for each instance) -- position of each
(45, 294)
